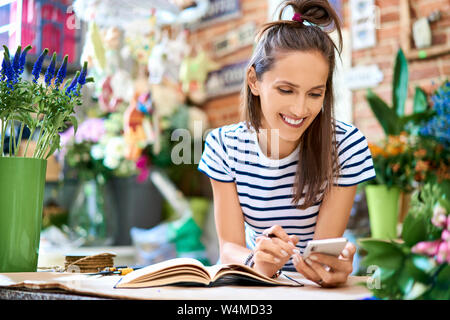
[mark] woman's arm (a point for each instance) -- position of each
(229, 223)
(331, 223)
(335, 212)
(270, 254)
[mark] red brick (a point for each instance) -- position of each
(389, 17)
(387, 3)
(424, 8)
(388, 32)
(424, 73)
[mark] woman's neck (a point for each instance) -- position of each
(273, 146)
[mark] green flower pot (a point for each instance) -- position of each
(383, 205)
(22, 182)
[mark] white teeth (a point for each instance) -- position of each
(292, 121)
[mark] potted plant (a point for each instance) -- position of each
(417, 265)
(383, 194)
(44, 108)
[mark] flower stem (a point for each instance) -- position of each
(4, 124)
(10, 136)
(38, 142)
(28, 142)
(19, 140)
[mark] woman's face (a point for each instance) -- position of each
(291, 93)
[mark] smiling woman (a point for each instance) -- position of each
(290, 169)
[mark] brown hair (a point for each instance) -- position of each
(317, 166)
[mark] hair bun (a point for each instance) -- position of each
(317, 12)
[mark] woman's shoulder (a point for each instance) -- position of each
(230, 131)
(347, 130)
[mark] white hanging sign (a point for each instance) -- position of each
(362, 77)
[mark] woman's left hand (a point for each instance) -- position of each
(339, 267)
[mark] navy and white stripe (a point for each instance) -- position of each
(264, 186)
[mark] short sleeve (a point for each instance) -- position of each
(215, 161)
(355, 158)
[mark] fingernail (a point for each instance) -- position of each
(345, 253)
(296, 259)
(308, 261)
(277, 260)
(292, 243)
(313, 258)
(284, 253)
(296, 251)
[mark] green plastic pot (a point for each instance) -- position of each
(22, 182)
(383, 206)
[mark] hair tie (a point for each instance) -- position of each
(297, 17)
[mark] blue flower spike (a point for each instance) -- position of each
(38, 65)
(15, 63)
(61, 72)
(50, 70)
(72, 84)
(7, 69)
(22, 59)
(82, 79)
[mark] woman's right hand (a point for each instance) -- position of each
(272, 253)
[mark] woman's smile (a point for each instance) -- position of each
(292, 122)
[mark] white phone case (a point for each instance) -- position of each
(332, 246)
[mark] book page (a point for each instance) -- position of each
(246, 271)
(169, 267)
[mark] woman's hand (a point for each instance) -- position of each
(271, 253)
(339, 268)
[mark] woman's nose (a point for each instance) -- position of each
(299, 108)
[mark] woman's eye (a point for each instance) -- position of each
(316, 95)
(284, 91)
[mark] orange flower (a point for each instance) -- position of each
(443, 172)
(395, 167)
(420, 153)
(376, 150)
(422, 165)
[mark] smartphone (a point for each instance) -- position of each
(331, 247)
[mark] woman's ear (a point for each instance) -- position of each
(252, 81)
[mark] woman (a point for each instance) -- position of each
(289, 170)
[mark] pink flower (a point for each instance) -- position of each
(143, 166)
(443, 254)
(429, 248)
(445, 236)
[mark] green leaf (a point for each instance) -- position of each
(74, 121)
(55, 145)
(414, 230)
(400, 83)
(385, 115)
(420, 101)
(443, 278)
(381, 253)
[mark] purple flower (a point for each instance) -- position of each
(50, 70)
(91, 130)
(38, 65)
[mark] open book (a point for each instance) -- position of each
(188, 271)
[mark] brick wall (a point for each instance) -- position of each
(423, 73)
(226, 109)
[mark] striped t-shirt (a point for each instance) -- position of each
(264, 186)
